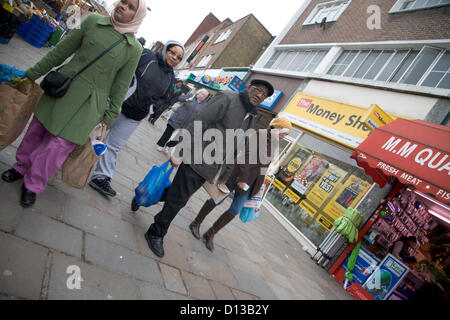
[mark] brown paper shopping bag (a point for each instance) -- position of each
(216, 193)
(79, 165)
(17, 102)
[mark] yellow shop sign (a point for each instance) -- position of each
(340, 122)
(375, 118)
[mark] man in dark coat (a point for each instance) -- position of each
(228, 110)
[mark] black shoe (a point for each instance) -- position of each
(134, 205)
(103, 186)
(28, 198)
(155, 244)
(11, 175)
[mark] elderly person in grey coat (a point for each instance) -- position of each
(227, 110)
(180, 119)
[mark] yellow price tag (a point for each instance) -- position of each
(8, 8)
(292, 195)
(280, 186)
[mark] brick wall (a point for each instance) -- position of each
(427, 24)
(246, 46)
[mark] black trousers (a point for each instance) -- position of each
(175, 197)
(166, 136)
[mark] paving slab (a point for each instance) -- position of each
(96, 284)
(119, 259)
(50, 233)
(22, 267)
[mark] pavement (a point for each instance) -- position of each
(71, 235)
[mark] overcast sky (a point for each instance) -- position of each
(178, 19)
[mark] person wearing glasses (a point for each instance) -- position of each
(60, 124)
(152, 84)
(227, 110)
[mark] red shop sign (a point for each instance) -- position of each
(415, 152)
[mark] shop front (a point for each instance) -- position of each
(317, 179)
(405, 244)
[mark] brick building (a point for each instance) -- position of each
(225, 45)
(337, 59)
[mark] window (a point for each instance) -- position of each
(205, 60)
(428, 67)
(223, 36)
(296, 60)
(408, 5)
(329, 10)
(439, 76)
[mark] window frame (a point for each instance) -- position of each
(223, 36)
(421, 80)
(204, 60)
(397, 7)
(310, 20)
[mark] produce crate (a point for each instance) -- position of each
(35, 32)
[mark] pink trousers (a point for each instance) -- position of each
(40, 155)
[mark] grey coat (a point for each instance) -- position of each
(225, 111)
(186, 113)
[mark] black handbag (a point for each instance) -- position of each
(56, 84)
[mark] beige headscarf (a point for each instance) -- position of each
(133, 25)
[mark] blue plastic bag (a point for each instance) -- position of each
(249, 214)
(150, 190)
(8, 72)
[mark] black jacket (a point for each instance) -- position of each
(155, 82)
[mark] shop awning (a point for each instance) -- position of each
(416, 152)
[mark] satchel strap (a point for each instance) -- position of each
(99, 56)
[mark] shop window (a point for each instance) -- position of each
(413, 239)
(330, 11)
(316, 182)
(409, 5)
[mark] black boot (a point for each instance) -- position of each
(28, 198)
(208, 206)
(11, 175)
(223, 220)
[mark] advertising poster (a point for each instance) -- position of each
(288, 171)
(307, 176)
(348, 195)
(385, 278)
(365, 265)
(326, 184)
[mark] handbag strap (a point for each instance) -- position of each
(98, 57)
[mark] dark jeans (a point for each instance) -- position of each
(166, 136)
(175, 197)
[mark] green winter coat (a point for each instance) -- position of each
(74, 116)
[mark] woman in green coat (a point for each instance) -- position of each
(60, 124)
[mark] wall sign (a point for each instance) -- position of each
(271, 101)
